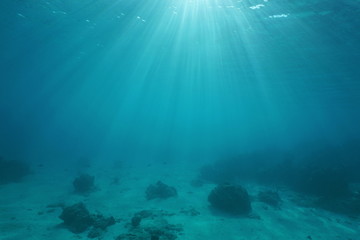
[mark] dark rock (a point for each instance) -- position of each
(161, 229)
(95, 233)
(155, 237)
(270, 197)
(77, 218)
(160, 190)
(154, 227)
(135, 221)
(12, 171)
(102, 222)
(155, 231)
(232, 199)
(84, 183)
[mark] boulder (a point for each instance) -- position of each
(231, 199)
(160, 190)
(77, 218)
(135, 221)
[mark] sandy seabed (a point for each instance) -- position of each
(24, 211)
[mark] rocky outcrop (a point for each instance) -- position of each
(231, 199)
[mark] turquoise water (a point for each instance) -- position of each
(176, 78)
(179, 119)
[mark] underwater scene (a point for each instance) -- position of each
(180, 119)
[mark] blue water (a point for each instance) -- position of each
(176, 77)
(194, 93)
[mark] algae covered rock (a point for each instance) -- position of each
(77, 218)
(231, 199)
(101, 222)
(160, 190)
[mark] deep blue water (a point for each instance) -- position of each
(179, 119)
(176, 78)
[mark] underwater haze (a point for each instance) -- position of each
(92, 77)
(131, 95)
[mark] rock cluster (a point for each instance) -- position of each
(151, 225)
(78, 219)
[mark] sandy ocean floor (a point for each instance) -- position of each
(24, 211)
